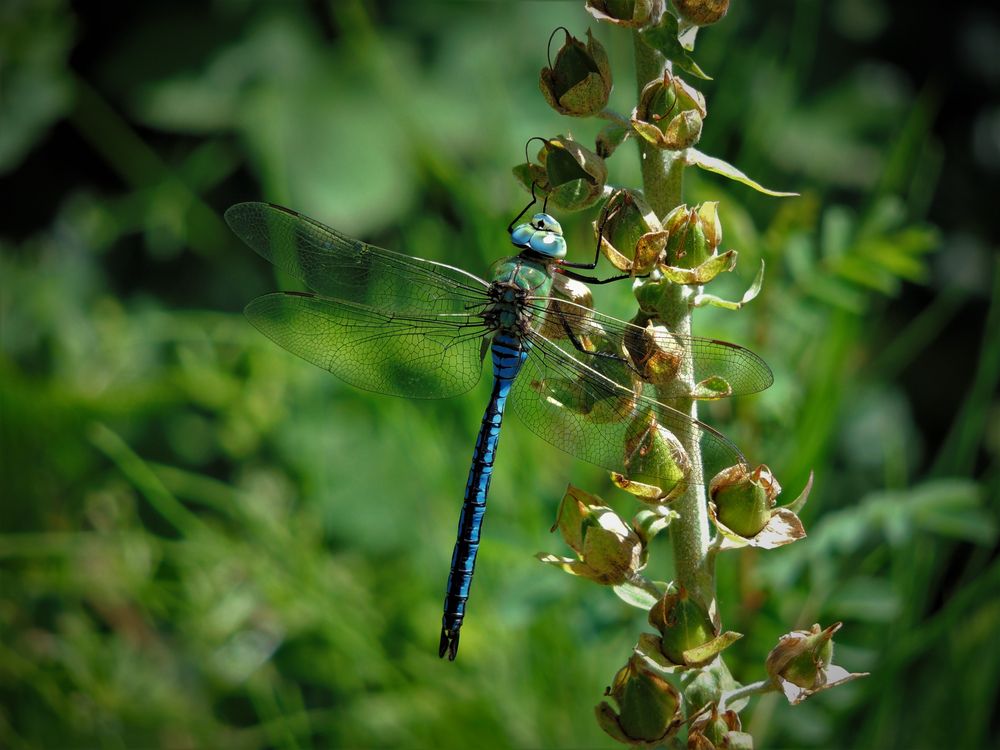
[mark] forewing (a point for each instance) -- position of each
(679, 366)
(419, 356)
(599, 412)
(341, 267)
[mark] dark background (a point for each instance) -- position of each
(205, 542)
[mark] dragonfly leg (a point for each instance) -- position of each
(597, 251)
(594, 280)
(597, 256)
(510, 227)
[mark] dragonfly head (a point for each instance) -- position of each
(542, 235)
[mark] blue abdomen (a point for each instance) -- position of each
(509, 354)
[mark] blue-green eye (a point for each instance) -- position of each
(545, 223)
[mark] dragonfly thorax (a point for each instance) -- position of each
(508, 311)
(542, 235)
(512, 282)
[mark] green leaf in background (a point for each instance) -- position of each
(36, 87)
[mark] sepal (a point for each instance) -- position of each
(578, 321)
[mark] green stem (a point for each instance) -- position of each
(745, 691)
(662, 182)
(640, 581)
(612, 116)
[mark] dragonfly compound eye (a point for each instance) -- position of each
(545, 223)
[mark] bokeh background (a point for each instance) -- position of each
(205, 542)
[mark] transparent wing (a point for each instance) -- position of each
(338, 266)
(604, 415)
(679, 366)
(419, 356)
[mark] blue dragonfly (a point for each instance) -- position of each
(585, 382)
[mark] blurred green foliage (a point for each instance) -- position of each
(207, 543)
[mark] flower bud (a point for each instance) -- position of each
(655, 362)
(718, 731)
(741, 505)
(683, 624)
(575, 175)
(691, 255)
(609, 551)
(653, 452)
(631, 236)
(802, 663)
(702, 12)
(695, 234)
(801, 656)
(744, 499)
(631, 14)
(579, 82)
(670, 113)
(648, 705)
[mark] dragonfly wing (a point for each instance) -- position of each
(600, 412)
(341, 267)
(680, 366)
(418, 356)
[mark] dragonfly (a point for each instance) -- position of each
(585, 382)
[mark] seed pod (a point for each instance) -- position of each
(670, 113)
(683, 624)
(648, 705)
(702, 12)
(632, 14)
(579, 82)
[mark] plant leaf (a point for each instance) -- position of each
(714, 164)
(713, 387)
(634, 596)
(749, 295)
(664, 39)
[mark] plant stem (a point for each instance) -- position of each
(662, 181)
(646, 585)
(745, 691)
(615, 117)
